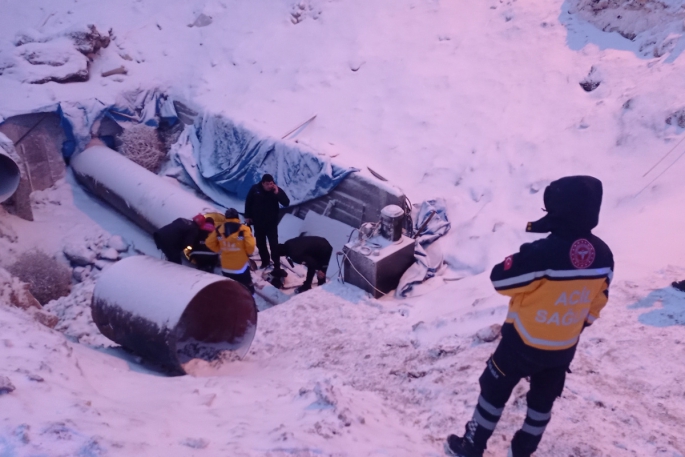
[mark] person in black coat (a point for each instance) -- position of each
(312, 251)
(201, 256)
(261, 210)
(176, 236)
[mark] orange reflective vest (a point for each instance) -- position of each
(557, 285)
(235, 247)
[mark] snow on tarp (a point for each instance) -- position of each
(227, 158)
(429, 259)
(142, 106)
(218, 156)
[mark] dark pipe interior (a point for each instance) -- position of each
(221, 317)
(9, 177)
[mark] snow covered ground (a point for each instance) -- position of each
(479, 103)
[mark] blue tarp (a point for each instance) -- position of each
(217, 156)
(229, 158)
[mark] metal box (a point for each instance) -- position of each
(378, 265)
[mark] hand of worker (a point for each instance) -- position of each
(241, 235)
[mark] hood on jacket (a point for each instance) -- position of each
(572, 204)
(231, 226)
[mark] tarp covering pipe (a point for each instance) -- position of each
(183, 319)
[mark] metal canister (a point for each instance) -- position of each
(392, 217)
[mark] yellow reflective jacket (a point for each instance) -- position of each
(557, 286)
(235, 242)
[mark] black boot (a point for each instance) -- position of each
(303, 288)
(460, 447)
(279, 273)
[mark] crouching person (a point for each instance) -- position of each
(558, 285)
(200, 255)
(312, 251)
(173, 238)
(234, 242)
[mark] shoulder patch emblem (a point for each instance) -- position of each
(508, 262)
(582, 253)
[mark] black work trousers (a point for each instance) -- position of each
(505, 368)
(244, 278)
(261, 234)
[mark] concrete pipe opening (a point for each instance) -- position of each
(183, 319)
(9, 176)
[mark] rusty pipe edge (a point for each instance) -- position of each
(149, 200)
(10, 174)
(185, 320)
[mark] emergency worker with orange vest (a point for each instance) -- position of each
(235, 243)
(558, 285)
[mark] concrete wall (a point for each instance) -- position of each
(38, 139)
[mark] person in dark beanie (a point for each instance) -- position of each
(558, 285)
(312, 251)
(234, 242)
(176, 236)
(261, 210)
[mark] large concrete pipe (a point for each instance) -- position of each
(151, 201)
(9, 170)
(178, 317)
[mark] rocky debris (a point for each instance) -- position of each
(53, 61)
(61, 57)
(86, 39)
(6, 385)
(79, 254)
(108, 254)
(118, 243)
(195, 443)
(101, 264)
(16, 292)
(45, 318)
(7, 232)
(488, 334)
(202, 21)
(654, 24)
(677, 118)
(591, 81)
(75, 317)
(303, 9)
(81, 274)
(121, 70)
(94, 254)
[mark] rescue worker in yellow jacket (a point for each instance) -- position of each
(558, 285)
(234, 242)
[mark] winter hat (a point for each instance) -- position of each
(199, 220)
(232, 213)
(207, 227)
(572, 204)
(267, 178)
